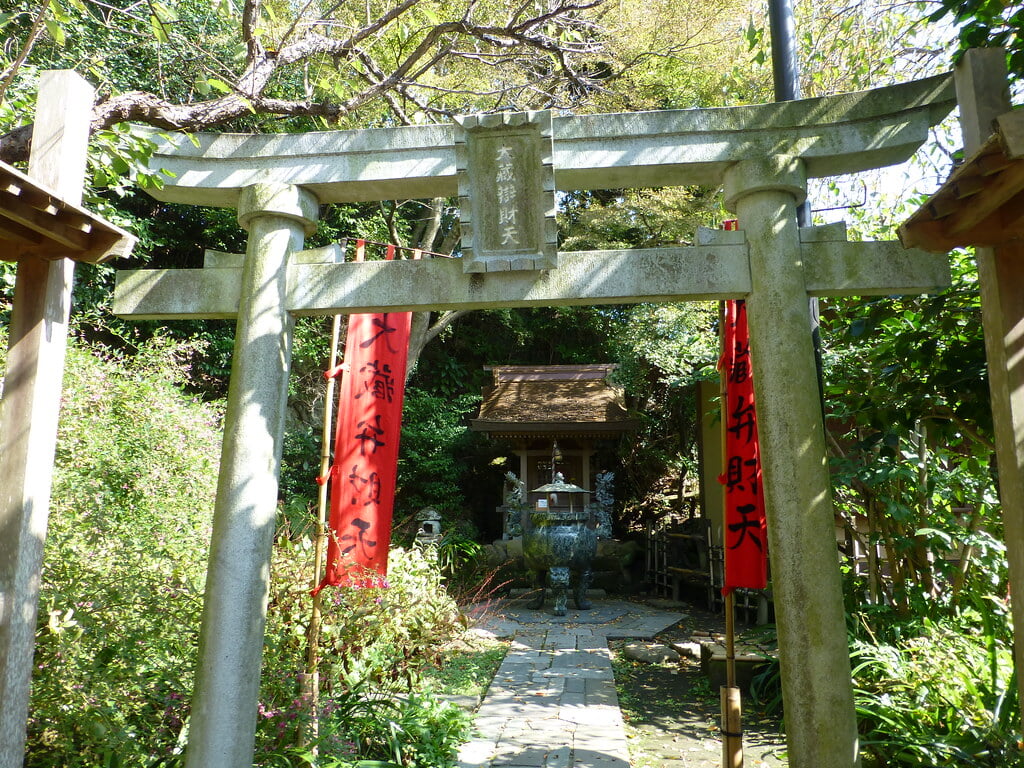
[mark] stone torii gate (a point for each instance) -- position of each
(506, 169)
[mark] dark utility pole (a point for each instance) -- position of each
(786, 67)
(786, 78)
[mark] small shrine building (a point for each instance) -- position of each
(557, 419)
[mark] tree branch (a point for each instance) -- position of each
(250, 15)
(33, 34)
(432, 46)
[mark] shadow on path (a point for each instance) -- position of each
(553, 702)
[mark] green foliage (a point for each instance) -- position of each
(929, 693)
(986, 24)
(943, 693)
(435, 439)
(907, 393)
(663, 54)
(634, 218)
(124, 564)
(536, 336)
(365, 724)
(374, 645)
(378, 635)
(467, 670)
(846, 48)
(122, 597)
(907, 358)
(663, 350)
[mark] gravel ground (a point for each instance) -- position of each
(672, 714)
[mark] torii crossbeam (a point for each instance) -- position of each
(762, 154)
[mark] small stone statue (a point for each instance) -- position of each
(605, 498)
(515, 498)
(515, 490)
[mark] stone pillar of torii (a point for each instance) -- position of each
(506, 169)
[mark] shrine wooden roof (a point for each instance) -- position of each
(35, 221)
(982, 201)
(553, 400)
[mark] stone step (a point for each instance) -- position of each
(748, 662)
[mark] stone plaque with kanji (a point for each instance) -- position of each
(507, 192)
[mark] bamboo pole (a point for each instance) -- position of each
(732, 725)
(311, 678)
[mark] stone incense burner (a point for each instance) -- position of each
(560, 544)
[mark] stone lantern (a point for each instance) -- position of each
(430, 525)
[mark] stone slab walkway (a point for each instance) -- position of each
(552, 703)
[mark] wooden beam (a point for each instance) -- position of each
(968, 186)
(997, 191)
(21, 236)
(45, 221)
(965, 210)
(61, 228)
(992, 163)
(1010, 129)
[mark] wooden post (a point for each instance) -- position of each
(983, 94)
(31, 401)
(732, 720)
(311, 680)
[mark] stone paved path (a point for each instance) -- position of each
(552, 703)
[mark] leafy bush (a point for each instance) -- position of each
(944, 694)
(374, 646)
(364, 724)
(122, 597)
(135, 479)
(434, 438)
(929, 693)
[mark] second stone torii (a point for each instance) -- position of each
(763, 155)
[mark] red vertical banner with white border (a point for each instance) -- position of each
(745, 528)
(365, 469)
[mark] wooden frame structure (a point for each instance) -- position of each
(982, 205)
(43, 228)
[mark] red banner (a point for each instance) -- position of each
(365, 469)
(745, 533)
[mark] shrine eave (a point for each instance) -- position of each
(982, 201)
(585, 430)
(36, 222)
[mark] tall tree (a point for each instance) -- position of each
(213, 63)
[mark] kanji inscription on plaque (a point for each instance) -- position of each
(507, 191)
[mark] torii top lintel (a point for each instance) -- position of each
(833, 135)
